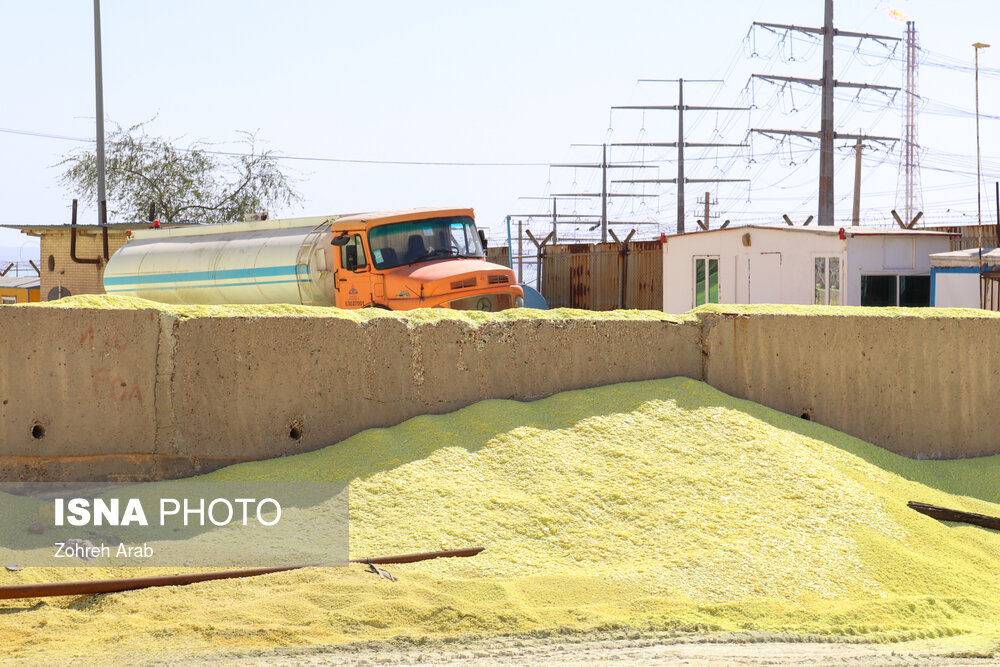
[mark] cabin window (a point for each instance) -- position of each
(5, 300)
(893, 290)
(915, 291)
(826, 281)
(352, 254)
(706, 280)
(878, 291)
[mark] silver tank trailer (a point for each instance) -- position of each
(269, 261)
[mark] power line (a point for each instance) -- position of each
(305, 158)
(417, 163)
(44, 135)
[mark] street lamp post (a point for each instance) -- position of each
(979, 179)
(979, 174)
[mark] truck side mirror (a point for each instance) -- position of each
(341, 239)
(482, 238)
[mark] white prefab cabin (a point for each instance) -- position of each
(800, 265)
(957, 278)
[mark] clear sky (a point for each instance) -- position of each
(505, 88)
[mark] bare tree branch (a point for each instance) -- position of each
(188, 181)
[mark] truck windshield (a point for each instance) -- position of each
(416, 241)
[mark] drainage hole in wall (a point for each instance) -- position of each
(295, 432)
(806, 416)
(37, 431)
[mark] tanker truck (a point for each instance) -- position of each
(399, 260)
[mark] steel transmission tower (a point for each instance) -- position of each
(680, 144)
(826, 135)
(909, 163)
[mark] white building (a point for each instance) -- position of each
(955, 279)
(800, 265)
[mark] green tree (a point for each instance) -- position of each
(193, 182)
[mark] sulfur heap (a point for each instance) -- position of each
(655, 505)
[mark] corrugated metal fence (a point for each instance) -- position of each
(602, 276)
(971, 236)
(498, 255)
(990, 299)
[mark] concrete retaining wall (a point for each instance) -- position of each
(138, 394)
(921, 387)
(76, 383)
(148, 396)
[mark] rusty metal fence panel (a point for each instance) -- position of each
(644, 280)
(972, 236)
(554, 279)
(990, 291)
(564, 279)
(589, 276)
(498, 255)
(597, 277)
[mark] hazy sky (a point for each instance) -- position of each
(514, 82)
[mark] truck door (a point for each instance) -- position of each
(353, 274)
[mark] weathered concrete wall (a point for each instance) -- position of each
(90, 394)
(280, 386)
(140, 394)
(921, 387)
(75, 383)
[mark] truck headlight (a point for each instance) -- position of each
(519, 302)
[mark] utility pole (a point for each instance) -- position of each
(826, 135)
(555, 217)
(102, 197)
(909, 164)
(856, 213)
(680, 156)
(680, 144)
(707, 222)
(825, 216)
(604, 190)
(604, 166)
(520, 252)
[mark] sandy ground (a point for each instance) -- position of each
(619, 648)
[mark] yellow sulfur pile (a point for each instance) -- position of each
(657, 505)
(411, 317)
(430, 315)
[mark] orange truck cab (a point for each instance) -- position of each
(422, 258)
